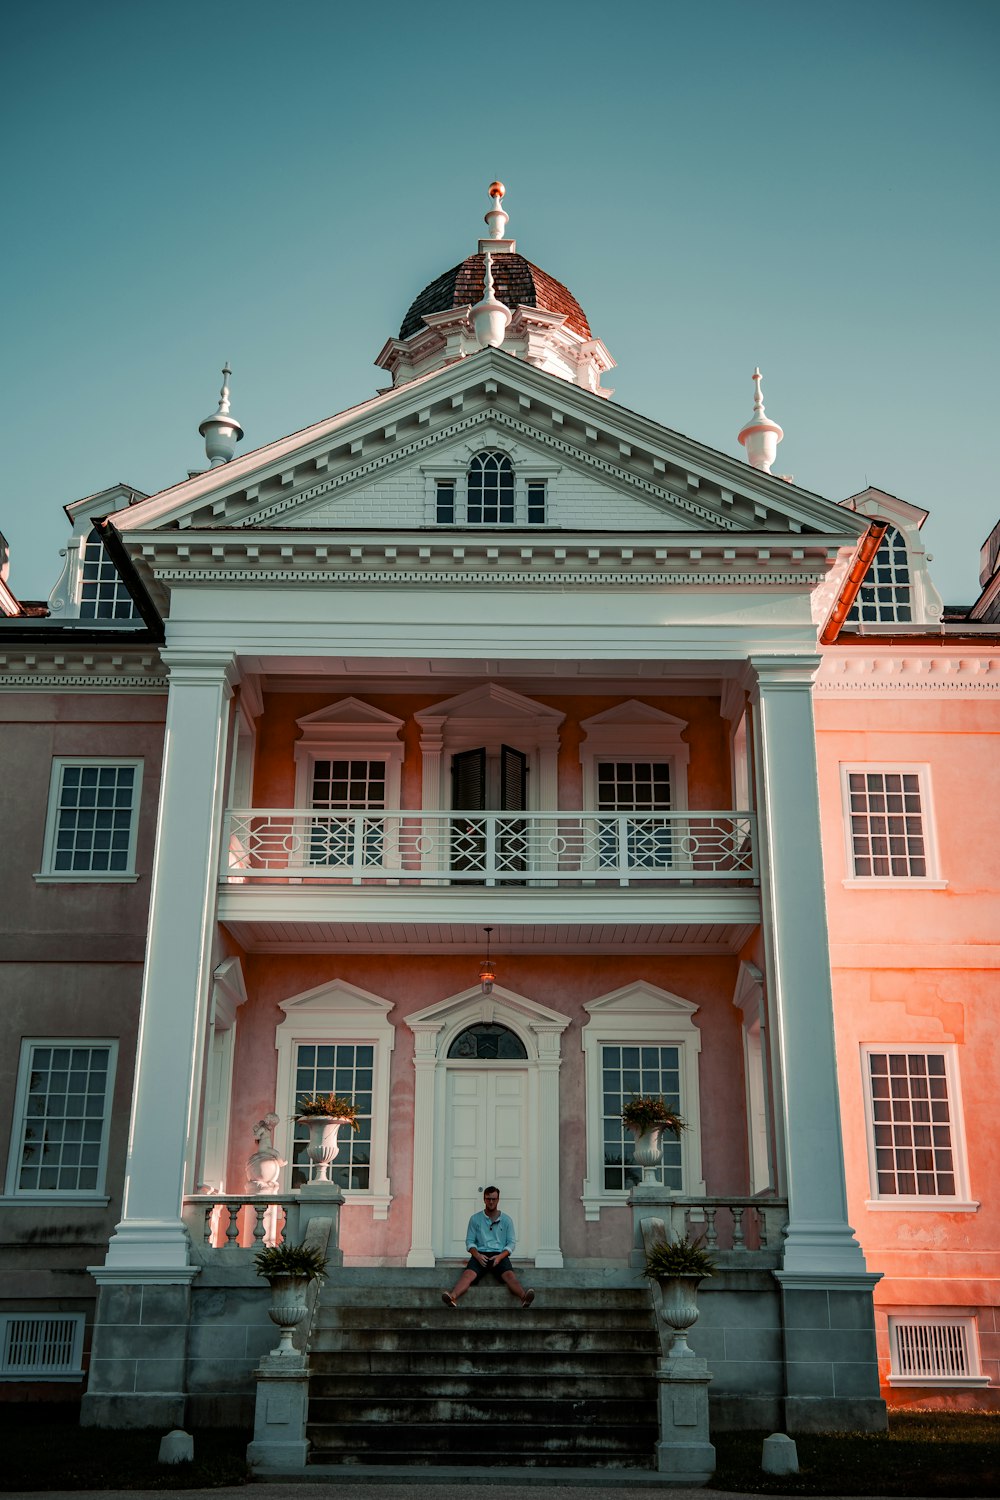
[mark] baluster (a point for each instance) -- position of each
(209, 1211)
(711, 1233)
(739, 1241)
(233, 1227)
(760, 1219)
(259, 1209)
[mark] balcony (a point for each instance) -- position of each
(554, 849)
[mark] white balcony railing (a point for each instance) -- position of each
(488, 848)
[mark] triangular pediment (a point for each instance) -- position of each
(491, 702)
(348, 713)
(373, 467)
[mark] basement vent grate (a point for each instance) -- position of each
(36, 1346)
(930, 1349)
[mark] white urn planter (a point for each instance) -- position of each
(648, 1151)
(679, 1311)
(324, 1144)
(288, 1308)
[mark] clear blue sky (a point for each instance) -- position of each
(808, 187)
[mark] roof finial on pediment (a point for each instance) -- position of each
(490, 316)
(760, 436)
(221, 431)
(496, 218)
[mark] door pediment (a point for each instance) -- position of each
(436, 1027)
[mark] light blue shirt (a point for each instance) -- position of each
(490, 1235)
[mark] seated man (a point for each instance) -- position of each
(489, 1240)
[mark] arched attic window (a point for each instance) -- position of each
(103, 595)
(886, 593)
(490, 490)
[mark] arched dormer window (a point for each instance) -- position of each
(103, 595)
(490, 490)
(886, 593)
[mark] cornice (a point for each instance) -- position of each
(105, 671)
(420, 559)
(910, 675)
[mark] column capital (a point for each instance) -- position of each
(780, 674)
(190, 667)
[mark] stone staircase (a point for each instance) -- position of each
(398, 1378)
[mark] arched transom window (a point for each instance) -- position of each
(490, 489)
(886, 591)
(488, 1039)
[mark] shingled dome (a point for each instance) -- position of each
(516, 281)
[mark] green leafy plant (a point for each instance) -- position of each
(336, 1106)
(681, 1257)
(290, 1260)
(643, 1111)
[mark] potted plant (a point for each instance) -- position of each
(289, 1269)
(647, 1116)
(323, 1115)
(679, 1265)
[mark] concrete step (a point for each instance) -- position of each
(485, 1342)
(382, 1442)
(509, 1318)
(499, 1412)
(527, 1363)
(397, 1386)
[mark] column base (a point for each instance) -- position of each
(821, 1248)
(685, 1464)
(148, 1245)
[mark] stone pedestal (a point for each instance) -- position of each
(322, 1201)
(279, 1442)
(667, 1216)
(684, 1455)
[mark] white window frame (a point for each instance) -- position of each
(339, 1012)
(71, 1340)
(633, 731)
(636, 1015)
(964, 1324)
(931, 881)
(16, 1194)
(348, 730)
(93, 549)
(455, 470)
(958, 1202)
(48, 873)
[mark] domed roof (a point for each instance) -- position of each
(516, 281)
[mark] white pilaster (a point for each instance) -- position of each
(425, 1041)
(178, 971)
(820, 1242)
(548, 1252)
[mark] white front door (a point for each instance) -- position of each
(486, 1119)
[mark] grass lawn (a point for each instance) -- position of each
(945, 1453)
(926, 1455)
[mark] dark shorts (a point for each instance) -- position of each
(496, 1271)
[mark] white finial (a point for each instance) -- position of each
(760, 436)
(496, 218)
(221, 431)
(490, 316)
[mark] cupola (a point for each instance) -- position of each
(496, 298)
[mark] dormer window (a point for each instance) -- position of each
(886, 593)
(103, 595)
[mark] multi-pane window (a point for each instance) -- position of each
(92, 818)
(887, 833)
(885, 593)
(625, 1072)
(345, 1068)
(446, 502)
(103, 595)
(62, 1117)
(912, 1129)
(348, 786)
(536, 502)
(490, 490)
(634, 786)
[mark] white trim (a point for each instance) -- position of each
(748, 999)
(434, 1030)
(883, 883)
(965, 1326)
(61, 763)
(958, 1202)
(71, 1343)
(922, 771)
(348, 729)
(19, 1122)
(637, 1013)
(339, 1012)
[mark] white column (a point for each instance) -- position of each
(820, 1241)
(178, 971)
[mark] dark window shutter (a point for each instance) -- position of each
(513, 780)
(468, 780)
